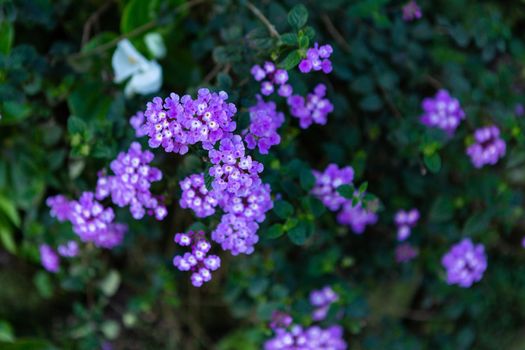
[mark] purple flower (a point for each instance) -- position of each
(326, 185)
(49, 258)
(488, 148)
(178, 122)
(60, 207)
(317, 58)
(321, 300)
(356, 217)
(269, 76)
(196, 196)
(198, 261)
(264, 122)
(94, 223)
(280, 320)
(130, 186)
(311, 338)
(465, 263)
(236, 234)
(312, 109)
(137, 122)
(405, 221)
(411, 11)
(68, 250)
(405, 252)
(443, 112)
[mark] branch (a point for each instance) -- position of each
(262, 18)
(338, 37)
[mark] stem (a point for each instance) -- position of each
(262, 18)
(335, 33)
(135, 32)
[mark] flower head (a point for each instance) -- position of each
(264, 122)
(488, 148)
(317, 58)
(49, 258)
(411, 11)
(405, 221)
(269, 76)
(312, 109)
(465, 263)
(443, 112)
(327, 182)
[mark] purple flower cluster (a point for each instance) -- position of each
(405, 221)
(488, 148)
(49, 258)
(196, 196)
(317, 58)
(327, 182)
(233, 171)
(443, 112)
(68, 249)
(280, 320)
(269, 76)
(311, 338)
(411, 11)
(264, 122)
(321, 300)
(178, 122)
(94, 223)
(130, 186)
(405, 252)
(312, 109)
(465, 263)
(356, 217)
(198, 261)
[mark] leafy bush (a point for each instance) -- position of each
(350, 142)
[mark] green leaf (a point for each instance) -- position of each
(283, 209)
(298, 233)
(135, 14)
(7, 34)
(13, 112)
(289, 39)
(75, 125)
(432, 162)
(304, 42)
(43, 284)
(298, 16)
(109, 285)
(290, 61)
(110, 329)
(363, 187)
(9, 210)
(477, 223)
(275, 231)
(346, 191)
(6, 332)
(6, 237)
(208, 180)
(27, 344)
(442, 209)
(307, 179)
(371, 103)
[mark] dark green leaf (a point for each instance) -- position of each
(298, 16)
(283, 209)
(291, 60)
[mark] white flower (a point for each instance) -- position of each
(155, 45)
(146, 76)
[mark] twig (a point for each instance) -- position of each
(335, 33)
(92, 20)
(433, 81)
(389, 103)
(212, 74)
(137, 31)
(262, 18)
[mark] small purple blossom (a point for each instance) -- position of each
(405, 221)
(327, 182)
(488, 148)
(443, 112)
(130, 186)
(49, 258)
(317, 58)
(68, 249)
(196, 196)
(312, 109)
(198, 261)
(236, 234)
(465, 263)
(178, 122)
(137, 121)
(94, 223)
(411, 11)
(356, 217)
(405, 252)
(269, 76)
(322, 299)
(264, 122)
(280, 320)
(311, 338)
(60, 207)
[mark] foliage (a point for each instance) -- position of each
(63, 119)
